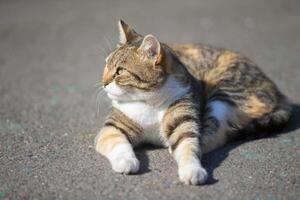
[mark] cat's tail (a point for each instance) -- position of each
(278, 118)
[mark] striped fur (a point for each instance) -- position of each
(190, 98)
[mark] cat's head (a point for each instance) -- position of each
(136, 68)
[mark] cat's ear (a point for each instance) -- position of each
(126, 32)
(151, 48)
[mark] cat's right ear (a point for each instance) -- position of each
(152, 49)
(126, 32)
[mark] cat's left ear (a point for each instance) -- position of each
(151, 48)
(126, 32)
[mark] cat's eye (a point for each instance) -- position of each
(119, 70)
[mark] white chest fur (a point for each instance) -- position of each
(147, 116)
(147, 109)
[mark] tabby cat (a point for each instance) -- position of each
(190, 98)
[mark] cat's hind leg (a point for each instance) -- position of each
(221, 121)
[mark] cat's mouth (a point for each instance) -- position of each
(113, 94)
(113, 91)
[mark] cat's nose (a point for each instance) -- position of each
(107, 78)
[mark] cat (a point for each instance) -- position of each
(190, 98)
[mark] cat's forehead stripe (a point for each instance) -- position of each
(120, 54)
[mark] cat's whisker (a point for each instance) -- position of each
(98, 108)
(98, 96)
(98, 84)
(105, 48)
(98, 92)
(108, 43)
(98, 87)
(95, 94)
(100, 50)
(104, 52)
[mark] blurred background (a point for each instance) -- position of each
(52, 55)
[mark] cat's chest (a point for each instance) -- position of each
(147, 116)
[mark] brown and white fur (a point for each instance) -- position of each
(189, 98)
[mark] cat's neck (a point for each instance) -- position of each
(171, 91)
(149, 114)
(175, 67)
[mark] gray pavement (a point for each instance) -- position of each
(51, 56)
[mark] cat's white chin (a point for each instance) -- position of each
(113, 97)
(116, 93)
(113, 89)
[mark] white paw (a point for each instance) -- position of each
(125, 165)
(192, 174)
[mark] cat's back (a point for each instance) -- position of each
(232, 77)
(212, 64)
(198, 58)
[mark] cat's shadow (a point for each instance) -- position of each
(214, 159)
(141, 154)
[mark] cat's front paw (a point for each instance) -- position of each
(192, 174)
(126, 165)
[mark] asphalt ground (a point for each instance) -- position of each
(52, 54)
